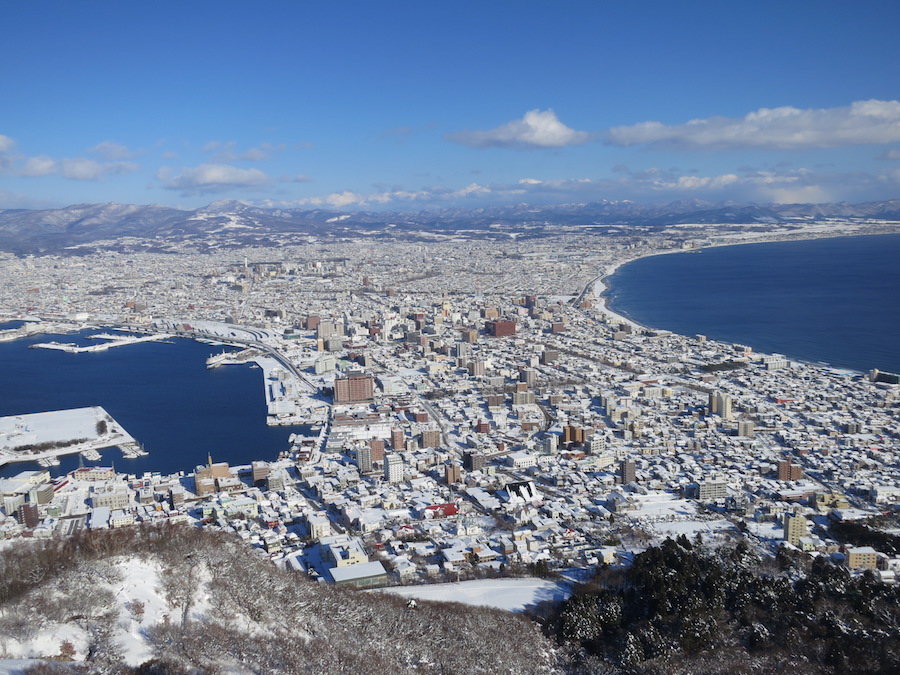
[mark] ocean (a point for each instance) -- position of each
(832, 300)
(161, 393)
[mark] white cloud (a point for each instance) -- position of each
(39, 166)
(862, 123)
(112, 151)
(8, 154)
(891, 154)
(208, 178)
(74, 168)
(79, 168)
(537, 129)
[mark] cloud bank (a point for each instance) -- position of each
(763, 186)
(786, 128)
(537, 129)
(74, 168)
(211, 178)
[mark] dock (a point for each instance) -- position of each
(111, 341)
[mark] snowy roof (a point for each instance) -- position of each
(360, 571)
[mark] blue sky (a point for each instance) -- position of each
(413, 105)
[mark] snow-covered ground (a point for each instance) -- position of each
(55, 426)
(514, 595)
(59, 426)
(138, 601)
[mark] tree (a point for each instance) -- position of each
(136, 607)
(66, 650)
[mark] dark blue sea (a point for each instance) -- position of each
(835, 300)
(162, 394)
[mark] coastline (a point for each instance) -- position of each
(602, 285)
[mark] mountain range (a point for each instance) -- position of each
(57, 230)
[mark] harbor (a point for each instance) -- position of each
(110, 341)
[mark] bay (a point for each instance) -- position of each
(831, 300)
(162, 394)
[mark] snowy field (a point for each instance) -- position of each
(58, 426)
(513, 595)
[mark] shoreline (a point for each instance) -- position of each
(605, 285)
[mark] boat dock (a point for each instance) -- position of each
(111, 341)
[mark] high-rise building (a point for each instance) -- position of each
(720, 404)
(473, 461)
(463, 350)
(364, 459)
(260, 472)
(795, 526)
(495, 400)
(398, 439)
(377, 447)
(431, 438)
(626, 471)
(711, 490)
(573, 434)
(551, 443)
(452, 473)
(356, 387)
(787, 470)
(476, 368)
(528, 376)
(393, 468)
(523, 398)
(500, 328)
(28, 516)
(746, 428)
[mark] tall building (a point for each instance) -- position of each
(356, 387)
(476, 368)
(364, 459)
(398, 439)
(260, 472)
(452, 473)
(528, 376)
(626, 471)
(473, 461)
(500, 328)
(377, 447)
(746, 428)
(27, 515)
(549, 356)
(551, 443)
(464, 350)
(393, 468)
(431, 438)
(711, 490)
(523, 398)
(795, 526)
(598, 443)
(573, 434)
(787, 470)
(720, 404)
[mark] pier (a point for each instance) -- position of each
(111, 341)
